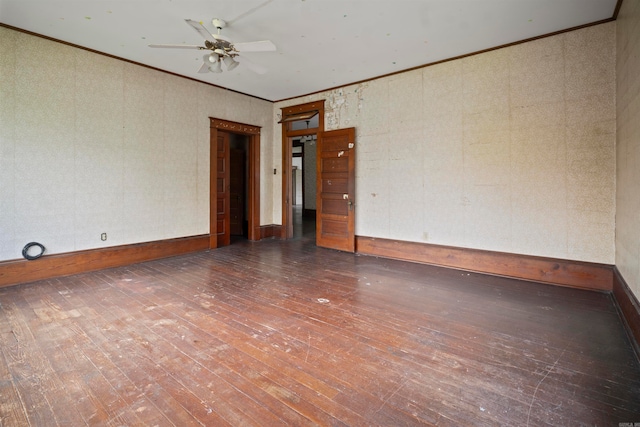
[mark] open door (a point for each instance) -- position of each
(223, 184)
(335, 196)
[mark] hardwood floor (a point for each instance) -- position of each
(285, 333)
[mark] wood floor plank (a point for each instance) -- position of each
(236, 417)
(260, 376)
(285, 333)
(12, 408)
(91, 373)
(254, 334)
(216, 362)
(149, 389)
(34, 377)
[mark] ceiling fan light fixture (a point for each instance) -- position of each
(216, 68)
(308, 138)
(218, 49)
(230, 63)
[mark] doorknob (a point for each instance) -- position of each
(350, 204)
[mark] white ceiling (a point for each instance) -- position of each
(321, 43)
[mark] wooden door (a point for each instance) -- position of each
(335, 209)
(237, 196)
(223, 198)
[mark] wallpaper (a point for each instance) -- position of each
(628, 145)
(512, 150)
(91, 145)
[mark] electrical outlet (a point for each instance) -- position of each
(103, 237)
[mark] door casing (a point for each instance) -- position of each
(253, 197)
(223, 189)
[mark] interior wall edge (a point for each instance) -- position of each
(270, 230)
(49, 266)
(628, 308)
(560, 272)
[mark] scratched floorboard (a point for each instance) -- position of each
(285, 333)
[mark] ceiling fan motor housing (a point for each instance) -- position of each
(218, 23)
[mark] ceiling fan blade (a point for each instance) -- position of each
(259, 46)
(221, 37)
(177, 46)
(201, 30)
(256, 68)
(204, 68)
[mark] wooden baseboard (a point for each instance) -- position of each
(269, 231)
(575, 274)
(49, 266)
(629, 309)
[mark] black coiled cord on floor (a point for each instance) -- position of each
(25, 250)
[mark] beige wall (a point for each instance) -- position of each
(90, 144)
(628, 144)
(511, 150)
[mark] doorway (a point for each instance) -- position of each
(301, 125)
(234, 199)
(303, 189)
(335, 177)
(238, 186)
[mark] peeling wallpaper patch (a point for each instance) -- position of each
(334, 107)
(340, 104)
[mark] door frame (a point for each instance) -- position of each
(289, 114)
(253, 196)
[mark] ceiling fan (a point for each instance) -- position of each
(222, 49)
